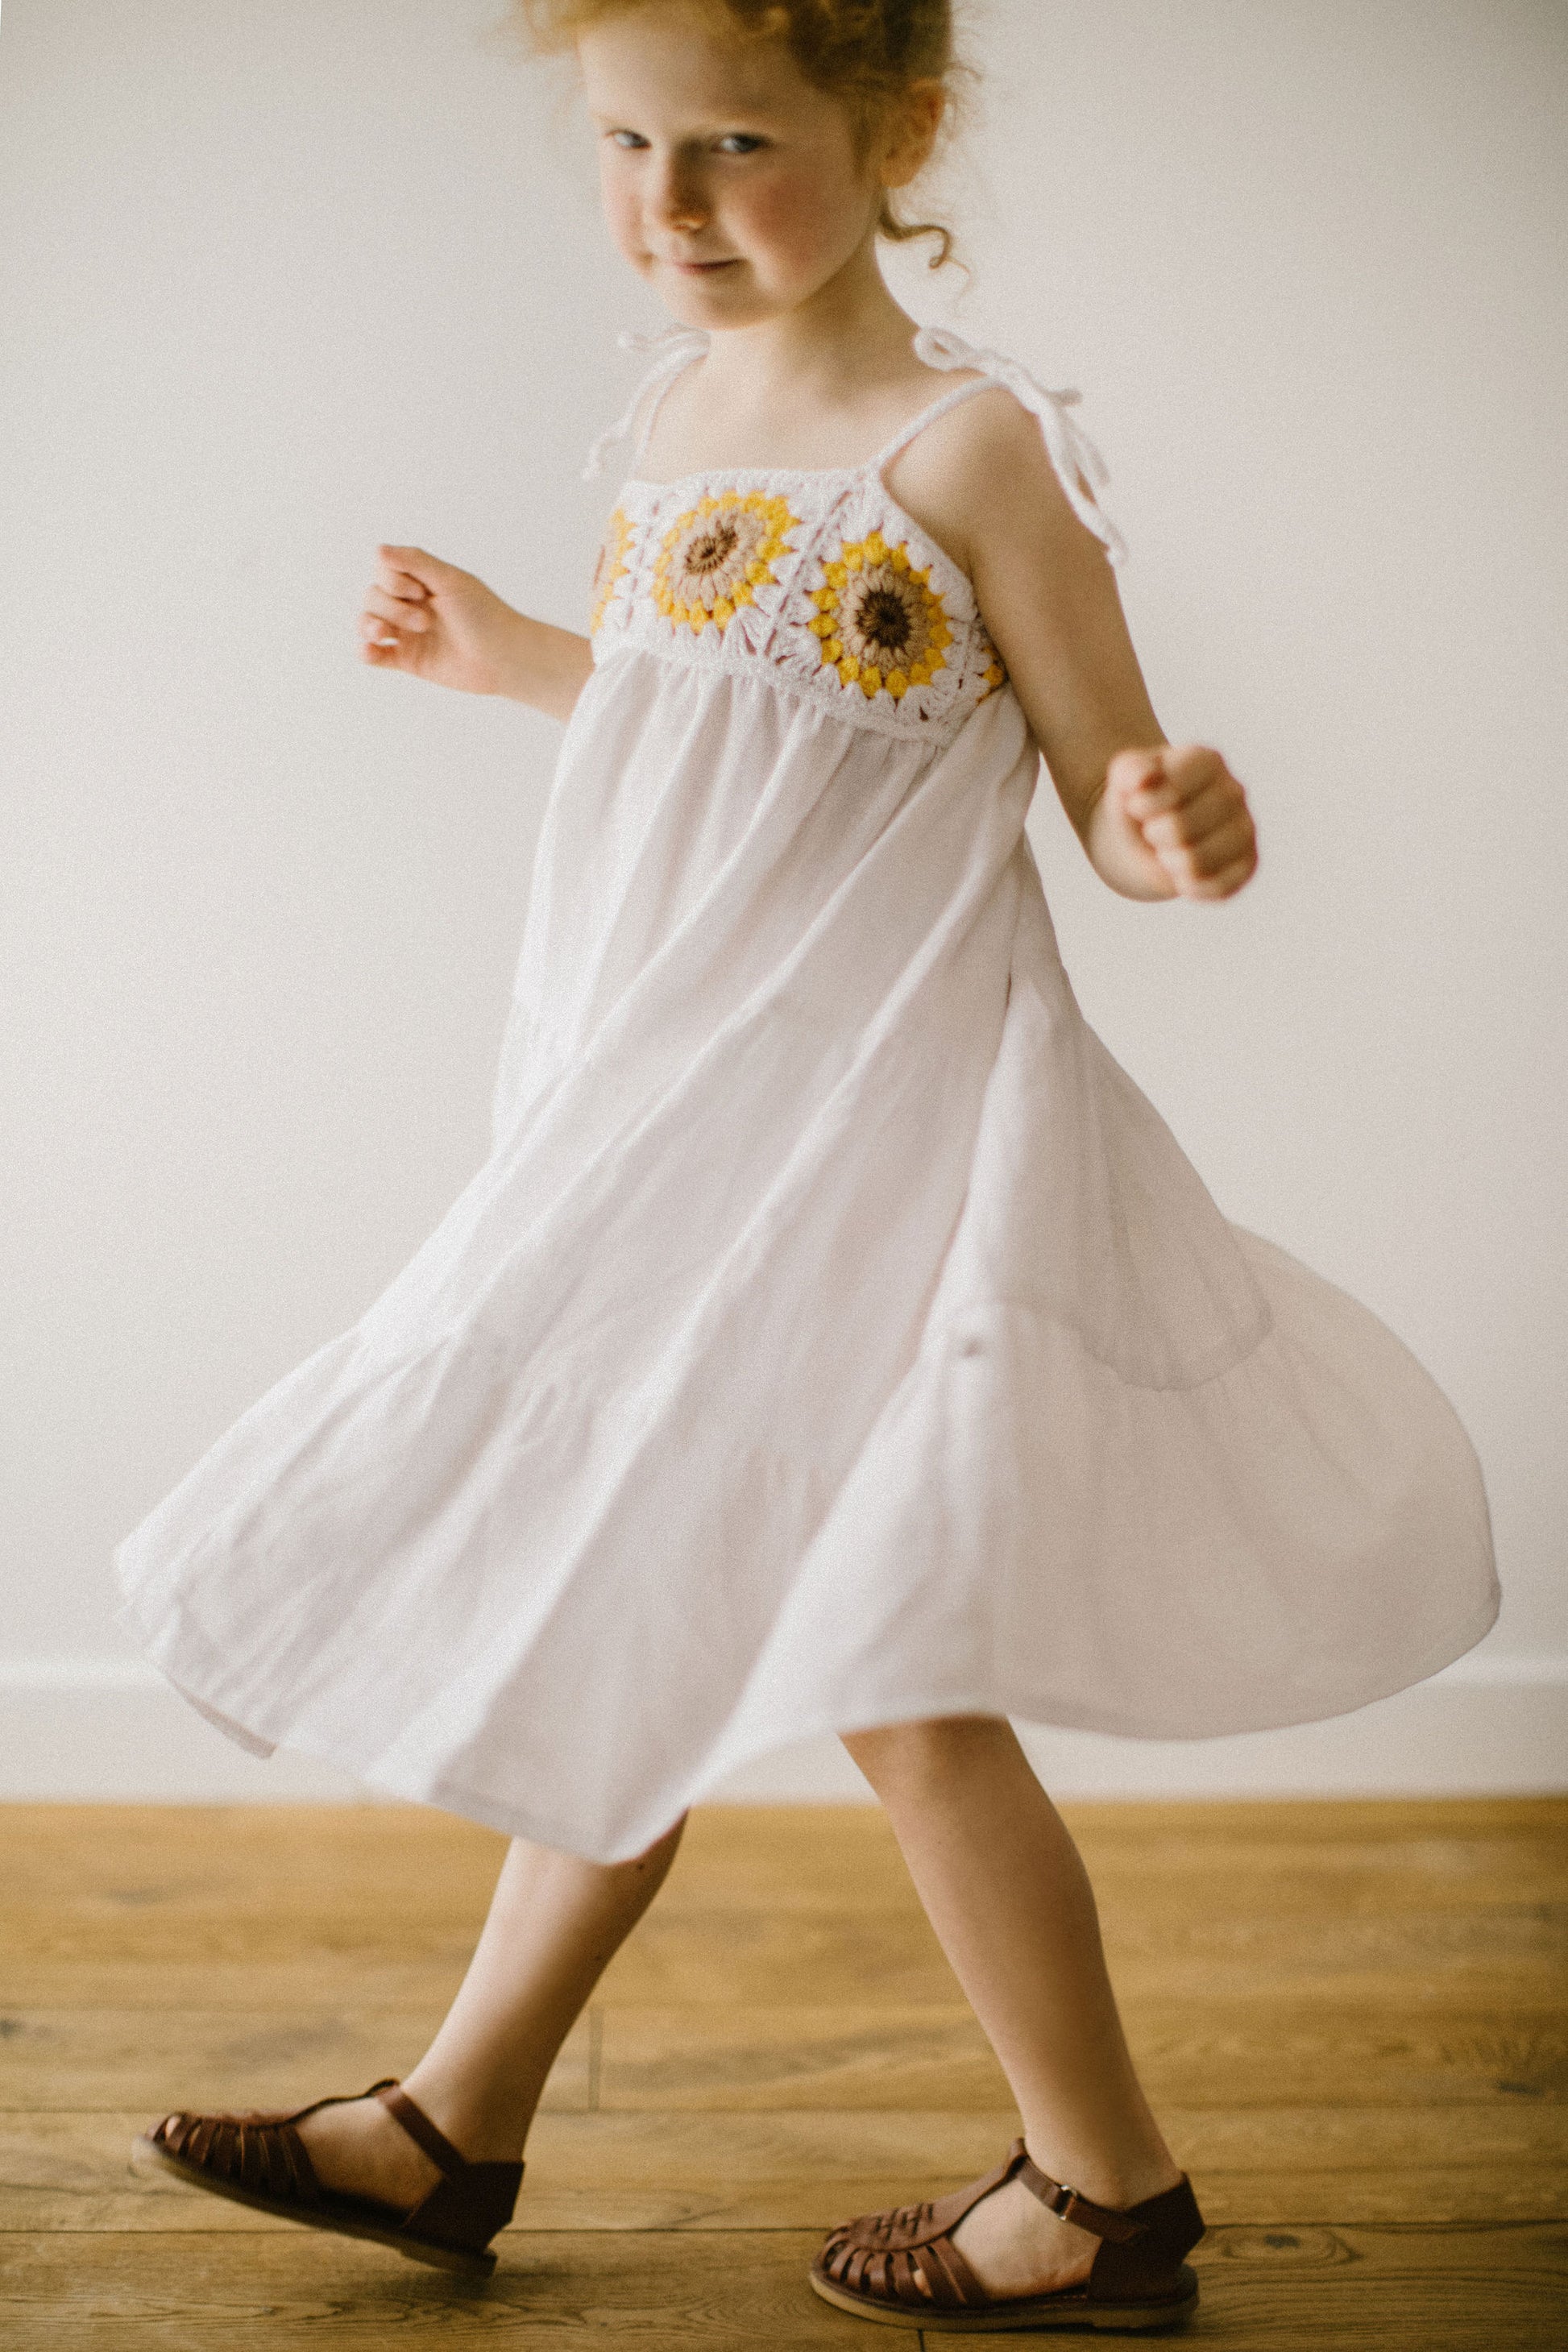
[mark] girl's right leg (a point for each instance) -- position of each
(1004, 1888)
(554, 1923)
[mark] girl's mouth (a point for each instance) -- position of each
(701, 268)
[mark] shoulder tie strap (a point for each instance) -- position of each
(1081, 468)
(678, 349)
(917, 424)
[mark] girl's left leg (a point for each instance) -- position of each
(554, 1923)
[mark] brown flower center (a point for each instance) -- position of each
(710, 550)
(883, 619)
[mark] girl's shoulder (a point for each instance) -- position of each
(989, 467)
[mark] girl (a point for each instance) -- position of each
(834, 1337)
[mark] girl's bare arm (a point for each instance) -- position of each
(435, 622)
(1157, 820)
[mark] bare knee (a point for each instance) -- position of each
(655, 1859)
(652, 1862)
(915, 1759)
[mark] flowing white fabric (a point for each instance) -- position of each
(835, 1334)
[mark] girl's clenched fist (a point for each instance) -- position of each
(1186, 813)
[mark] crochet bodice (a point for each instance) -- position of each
(817, 579)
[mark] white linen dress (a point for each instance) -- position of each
(835, 1334)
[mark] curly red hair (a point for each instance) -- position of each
(867, 52)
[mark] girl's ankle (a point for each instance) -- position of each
(1115, 2185)
(481, 2133)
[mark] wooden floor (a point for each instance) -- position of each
(1352, 2019)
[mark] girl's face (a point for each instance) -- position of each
(730, 182)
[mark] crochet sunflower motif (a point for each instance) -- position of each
(615, 562)
(881, 625)
(718, 554)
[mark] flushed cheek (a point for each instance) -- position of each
(800, 223)
(623, 214)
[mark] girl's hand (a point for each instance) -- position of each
(435, 622)
(1183, 809)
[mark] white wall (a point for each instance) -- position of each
(280, 281)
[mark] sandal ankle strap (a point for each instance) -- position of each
(421, 2130)
(1071, 2205)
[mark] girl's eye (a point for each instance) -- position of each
(741, 143)
(628, 139)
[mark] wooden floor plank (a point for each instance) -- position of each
(740, 1960)
(302, 1976)
(1417, 1902)
(553, 2293)
(247, 1864)
(299, 1976)
(96, 1865)
(723, 1954)
(721, 1958)
(1486, 2289)
(1352, 2017)
(227, 2058)
(1222, 2054)
(804, 2170)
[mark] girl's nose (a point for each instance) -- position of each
(681, 203)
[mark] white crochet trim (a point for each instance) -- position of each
(772, 635)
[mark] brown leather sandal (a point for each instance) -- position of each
(260, 2160)
(903, 2269)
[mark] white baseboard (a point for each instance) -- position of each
(110, 1731)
